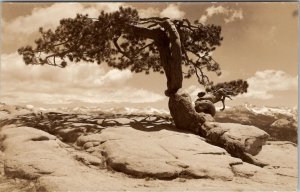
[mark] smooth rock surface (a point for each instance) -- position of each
(51, 163)
(163, 154)
(281, 157)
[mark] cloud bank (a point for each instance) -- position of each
(264, 83)
(230, 14)
(77, 82)
(173, 12)
(49, 17)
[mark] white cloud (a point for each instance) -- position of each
(236, 14)
(113, 76)
(49, 17)
(229, 13)
(108, 7)
(213, 10)
(193, 92)
(23, 30)
(263, 83)
(13, 69)
(77, 82)
(203, 19)
(173, 12)
(149, 12)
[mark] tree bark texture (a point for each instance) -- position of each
(171, 56)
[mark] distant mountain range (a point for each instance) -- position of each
(279, 122)
(113, 110)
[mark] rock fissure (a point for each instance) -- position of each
(175, 156)
(210, 153)
(286, 175)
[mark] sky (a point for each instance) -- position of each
(260, 45)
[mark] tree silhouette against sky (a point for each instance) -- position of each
(124, 40)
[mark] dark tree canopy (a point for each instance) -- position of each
(231, 88)
(221, 91)
(123, 40)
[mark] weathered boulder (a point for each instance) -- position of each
(239, 140)
(205, 106)
(250, 138)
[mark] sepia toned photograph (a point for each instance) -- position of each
(149, 96)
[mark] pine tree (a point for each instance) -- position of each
(123, 40)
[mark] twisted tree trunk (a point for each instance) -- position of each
(240, 141)
(169, 46)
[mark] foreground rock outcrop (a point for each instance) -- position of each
(162, 154)
(95, 152)
(239, 140)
